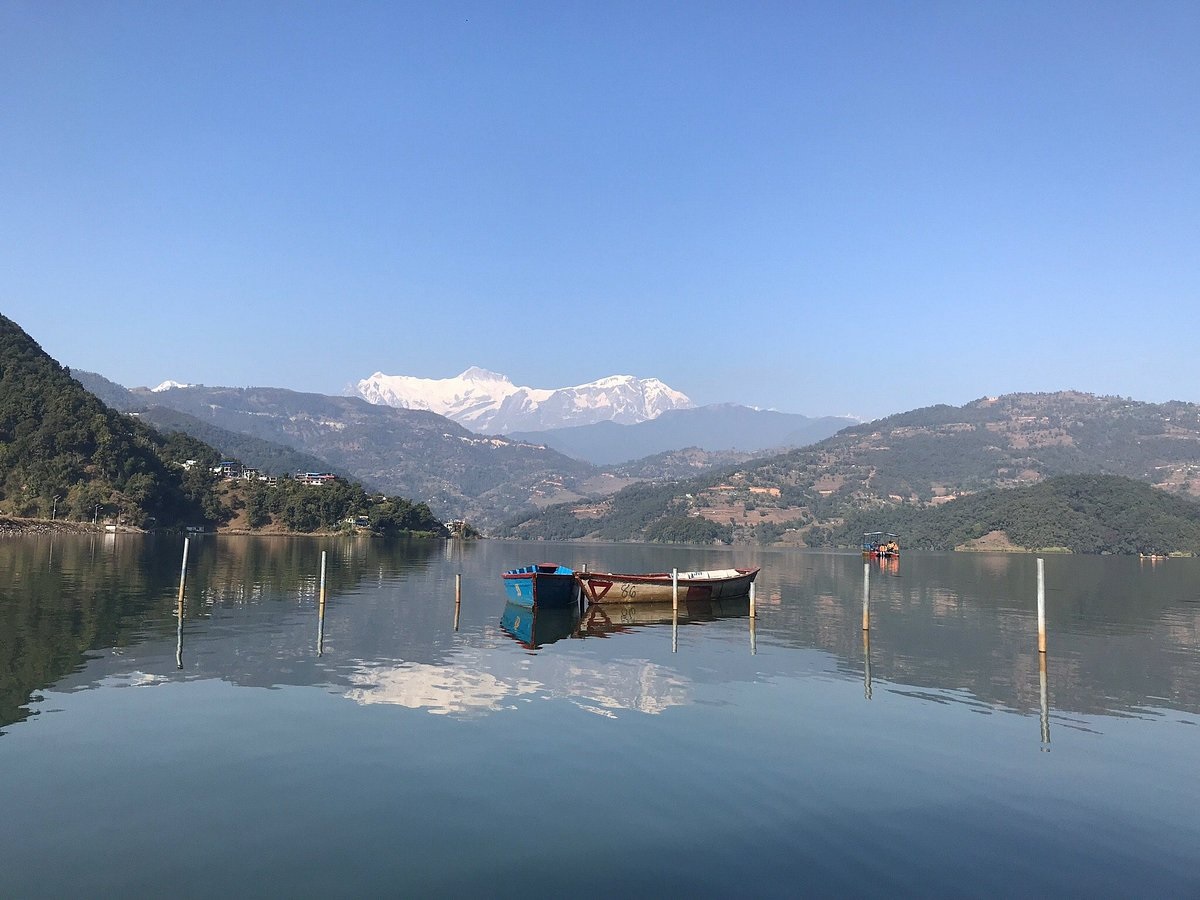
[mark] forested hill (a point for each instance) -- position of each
(65, 454)
(1080, 513)
(925, 457)
(57, 440)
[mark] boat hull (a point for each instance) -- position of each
(610, 587)
(543, 585)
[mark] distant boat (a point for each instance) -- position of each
(544, 585)
(880, 545)
(537, 626)
(714, 584)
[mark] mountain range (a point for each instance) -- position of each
(413, 453)
(733, 487)
(489, 403)
(922, 458)
(462, 474)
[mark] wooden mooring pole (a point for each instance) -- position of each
(321, 610)
(457, 598)
(321, 595)
(752, 611)
(675, 590)
(1041, 601)
(183, 569)
(866, 596)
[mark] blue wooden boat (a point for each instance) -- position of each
(543, 585)
(536, 627)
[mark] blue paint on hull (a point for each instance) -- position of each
(543, 586)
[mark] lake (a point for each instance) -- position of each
(252, 748)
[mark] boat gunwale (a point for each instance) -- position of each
(665, 577)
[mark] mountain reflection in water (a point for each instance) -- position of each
(383, 748)
(950, 628)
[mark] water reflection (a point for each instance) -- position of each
(535, 627)
(1044, 695)
(614, 618)
(959, 628)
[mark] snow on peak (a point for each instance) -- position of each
(477, 374)
(168, 385)
(488, 402)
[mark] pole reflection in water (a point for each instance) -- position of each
(867, 664)
(179, 607)
(753, 637)
(179, 635)
(675, 629)
(321, 610)
(866, 623)
(1044, 694)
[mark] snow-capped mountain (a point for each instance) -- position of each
(489, 403)
(169, 385)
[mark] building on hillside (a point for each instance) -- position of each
(229, 468)
(316, 479)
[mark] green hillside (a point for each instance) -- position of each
(1080, 513)
(921, 458)
(59, 441)
(65, 454)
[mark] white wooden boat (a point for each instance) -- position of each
(656, 587)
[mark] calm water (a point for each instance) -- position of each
(234, 754)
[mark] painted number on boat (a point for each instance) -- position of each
(629, 590)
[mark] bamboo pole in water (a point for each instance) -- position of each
(183, 569)
(457, 598)
(1041, 604)
(321, 594)
(752, 612)
(675, 590)
(866, 596)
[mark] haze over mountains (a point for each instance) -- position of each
(716, 427)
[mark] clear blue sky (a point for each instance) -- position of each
(817, 207)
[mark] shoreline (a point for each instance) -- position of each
(17, 526)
